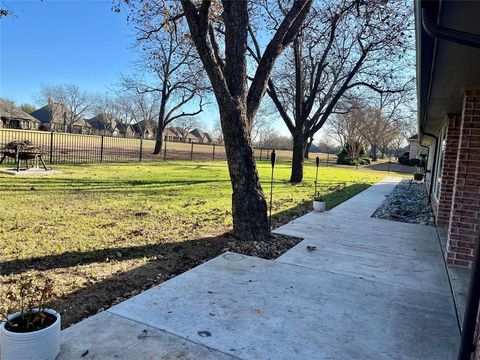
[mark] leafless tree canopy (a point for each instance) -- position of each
(344, 47)
(169, 64)
(380, 126)
(386, 121)
(187, 124)
(67, 101)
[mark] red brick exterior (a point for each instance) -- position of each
(449, 169)
(465, 210)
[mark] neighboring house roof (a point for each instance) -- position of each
(198, 133)
(44, 114)
(171, 132)
(176, 131)
(208, 137)
(101, 122)
(145, 126)
(124, 128)
(184, 134)
(9, 110)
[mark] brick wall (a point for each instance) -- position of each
(449, 169)
(465, 208)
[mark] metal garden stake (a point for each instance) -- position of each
(272, 160)
(317, 161)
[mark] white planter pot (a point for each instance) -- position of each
(319, 206)
(36, 345)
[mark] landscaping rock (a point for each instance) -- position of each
(408, 202)
(272, 249)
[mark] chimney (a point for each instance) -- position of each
(50, 104)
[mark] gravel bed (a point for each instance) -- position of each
(277, 245)
(408, 202)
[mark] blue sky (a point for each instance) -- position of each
(79, 42)
(69, 41)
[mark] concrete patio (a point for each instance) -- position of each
(371, 289)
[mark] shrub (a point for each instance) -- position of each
(344, 159)
(414, 162)
(30, 300)
(404, 160)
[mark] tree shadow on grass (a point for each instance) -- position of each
(76, 258)
(159, 262)
(93, 186)
(174, 260)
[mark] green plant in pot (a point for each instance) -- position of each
(29, 330)
(318, 203)
(418, 175)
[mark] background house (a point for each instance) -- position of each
(171, 134)
(202, 136)
(124, 130)
(103, 124)
(414, 147)
(55, 117)
(185, 135)
(145, 128)
(13, 117)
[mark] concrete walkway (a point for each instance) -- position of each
(372, 289)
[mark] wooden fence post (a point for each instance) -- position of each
(191, 152)
(213, 154)
(261, 150)
(141, 149)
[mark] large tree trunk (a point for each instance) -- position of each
(161, 124)
(373, 152)
(158, 144)
(159, 138)
(307, 149)
(299, 148)
(249, 208)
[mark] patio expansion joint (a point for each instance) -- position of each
(362, 278)
(172, 334)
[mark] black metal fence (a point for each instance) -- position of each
(65, 148)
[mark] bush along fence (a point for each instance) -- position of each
(65, 148)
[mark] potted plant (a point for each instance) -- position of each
(418, 175)
(28, 329)
(318, 204)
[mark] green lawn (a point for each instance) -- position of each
(95, 222)
(99, 206)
